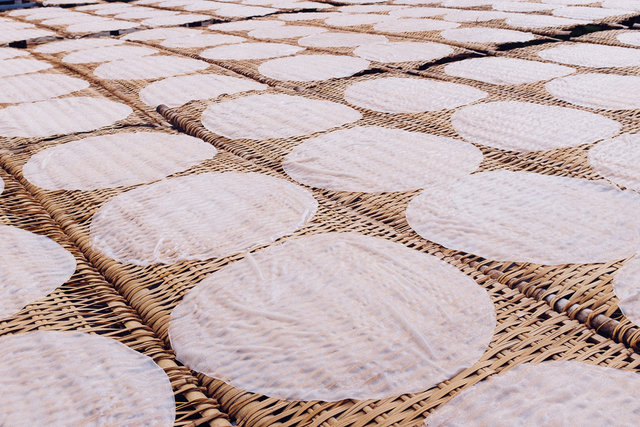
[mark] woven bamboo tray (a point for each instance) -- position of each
(138, 117)
(531, 53)
(209, 19)
(214, 17)
(536, 92)
(248, 68)
(527, 331)
(589, 286)
(556, 336)
(390, 207)
(559, 30)
(542, 32)
(608, 37)
(434, 122)
(567, 161)
(433, 36)
(544, 313)
(251, 66)
(19, 40)
(61, 30)
(90, 91)
(88, 303)
(126, 90)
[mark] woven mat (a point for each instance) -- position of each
(544, 313)
(89, 303)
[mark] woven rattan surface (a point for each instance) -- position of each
(88, 303)
(433, 36)
(610, 37)
(532, 53)
(97, 90)
(62, 30)
(127, 90)
(561, 312)
(390, 207)
(555, 336)
(250, 67)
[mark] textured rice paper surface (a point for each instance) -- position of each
(306, 16)
(407, 95)
(369, 8)
(626, 284)
(148, 67)
(15, 66)
(72, 18)
(334, 316)
(251, 51)
(464, 3)
(37, 87)
(486, 35)
(618, 159)
(241, 11)
(355, 20)
(528, 217)
(403, 51)
(415, 3)
(143, 13)
(559, 393)
(593, 55)
(60, 116)
(506, 71)
(525, 127)
(340, 39)
(361, 1)
(419, 12)
(10, 25)
(101, 25)
(626, 4)
(186, 3)
(108, 53)
(284, 31)
(115, 160)
(307, 68)
(474, 16)
(275, 116)
(161, 34)
(24, 34)
(531, 21)
(177, 91)
(107, 8)
(248, 25)
(197, 6)
(631, 38)
(9, 52)
(520, 6)
(590, 13)
(599, 91)
(31, 267)
(568, 2)
(413, 25)
(202, 40)
(181, 19)
(75, 378)
(302, 5)
(76, 44)
(66, 2)
(376, 159)
(194, 6)
(199, 217)
(39, 13)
